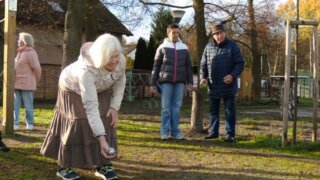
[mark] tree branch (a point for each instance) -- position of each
(244, 44)
(164, 4)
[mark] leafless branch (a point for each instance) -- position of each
(164, 4)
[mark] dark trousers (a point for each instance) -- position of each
(230, 112)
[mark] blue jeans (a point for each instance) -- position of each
(171, 101)
(27, 97)
(230, 112)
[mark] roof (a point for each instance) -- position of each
(109, 23)
(129, 48)
(53, 13)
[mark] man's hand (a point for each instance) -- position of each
(228, 79)
(114, 117)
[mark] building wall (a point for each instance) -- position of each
(245, 91)
(48, 42)
(47, 88)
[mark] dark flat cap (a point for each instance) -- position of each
(217, 28)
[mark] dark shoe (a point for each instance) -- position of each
(67, 174)
(230, 139)
(3, 147)
(106, 173)
(212, 136)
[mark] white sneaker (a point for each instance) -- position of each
(178, 137)
(15, 127)
(30, 127)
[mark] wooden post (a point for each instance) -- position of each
(286, 89)
(295, 102)
(315, 66)
(8, 64)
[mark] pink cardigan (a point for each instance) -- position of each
(27, 69)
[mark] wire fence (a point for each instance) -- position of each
(139, 98)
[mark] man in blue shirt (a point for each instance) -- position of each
(221, 64)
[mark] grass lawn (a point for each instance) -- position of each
(142, 155)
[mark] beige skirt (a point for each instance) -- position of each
(70, 138)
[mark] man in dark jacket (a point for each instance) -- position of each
(221, 64)
(172, 70)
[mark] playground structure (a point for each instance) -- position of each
(304, 85)
(138, 86)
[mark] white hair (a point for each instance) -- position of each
(103, 48)
(26, 38)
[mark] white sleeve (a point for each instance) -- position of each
(89, 98)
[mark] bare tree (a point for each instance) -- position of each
(256, 63)
(73, 31)
(197, 96)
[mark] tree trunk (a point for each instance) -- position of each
(256, 63)
(73, 31)
(90, 27)
(197, 112)
(197, 96)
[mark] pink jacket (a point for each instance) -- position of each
(27, 69)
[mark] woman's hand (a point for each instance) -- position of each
(114, 117)
(154, 89)
(190, 87)
(203, 83)
(104, 147)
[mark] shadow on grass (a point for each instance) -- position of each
(299, 151)
(32, 165)
(129, 169)
(27, 163)
(303, 150)
(24, 136)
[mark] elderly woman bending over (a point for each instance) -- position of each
(83, 129)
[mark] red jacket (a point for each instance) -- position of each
(27, 69)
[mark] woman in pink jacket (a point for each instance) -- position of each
(27, 74)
